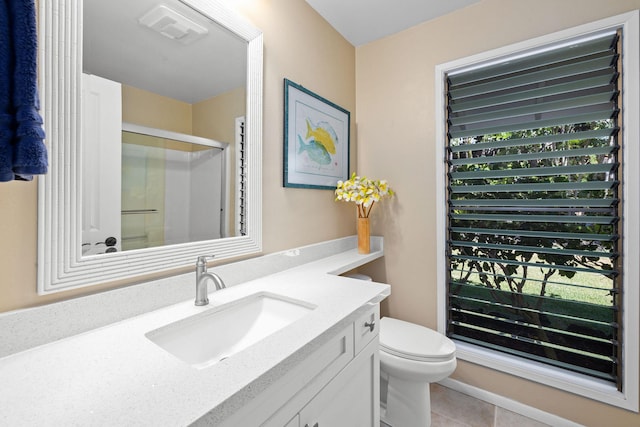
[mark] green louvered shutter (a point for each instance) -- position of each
(533, 200)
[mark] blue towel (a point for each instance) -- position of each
(22, 150)
(6, 116)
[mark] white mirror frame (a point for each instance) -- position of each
(61, 265)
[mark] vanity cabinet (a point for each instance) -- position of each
(351, 399)
(337, 385)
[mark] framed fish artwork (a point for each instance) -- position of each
(316, 140)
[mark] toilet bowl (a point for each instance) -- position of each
(411, 357)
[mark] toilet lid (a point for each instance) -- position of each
(415, 342)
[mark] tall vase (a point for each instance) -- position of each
(364, 234)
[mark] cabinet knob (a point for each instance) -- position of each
(371, 325)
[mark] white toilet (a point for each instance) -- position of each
(411, 357)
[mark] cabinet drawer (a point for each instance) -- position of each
(309, 377)
(366, 327)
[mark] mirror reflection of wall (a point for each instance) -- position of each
(175, 70)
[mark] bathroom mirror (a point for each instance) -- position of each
(63, 262)
(143, 63)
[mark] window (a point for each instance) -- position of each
(241, 178)
(534, 188)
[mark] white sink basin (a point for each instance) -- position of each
(207, 338)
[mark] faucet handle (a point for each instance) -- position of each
(202, 259)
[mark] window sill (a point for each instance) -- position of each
(571, 382)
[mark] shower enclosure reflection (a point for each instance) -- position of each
(172, 191)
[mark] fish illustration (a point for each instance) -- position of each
(316, 152)
(323, 134)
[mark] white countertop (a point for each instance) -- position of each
(115, 376)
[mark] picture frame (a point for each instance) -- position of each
(316, 140)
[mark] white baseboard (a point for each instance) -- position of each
(508, 404)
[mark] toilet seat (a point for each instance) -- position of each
(414, 342)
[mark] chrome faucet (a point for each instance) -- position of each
(201, 280)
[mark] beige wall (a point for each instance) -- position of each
(396, 136)
(149, 109)
(215, 117)
(299, 45)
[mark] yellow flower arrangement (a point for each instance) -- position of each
(364, 192)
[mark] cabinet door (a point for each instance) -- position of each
(276, 406)
(352, 399)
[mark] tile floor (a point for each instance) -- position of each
(450, 408)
